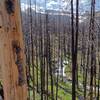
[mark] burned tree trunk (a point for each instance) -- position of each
(12, 58)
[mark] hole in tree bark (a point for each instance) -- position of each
(10, 6)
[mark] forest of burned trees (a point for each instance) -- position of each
(62, 53)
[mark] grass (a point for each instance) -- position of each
(64, 96)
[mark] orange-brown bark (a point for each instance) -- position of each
(10, 31)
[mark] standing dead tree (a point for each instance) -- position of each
(74, 46)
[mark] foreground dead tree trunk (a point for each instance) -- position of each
(74, 46)
(12, 60)
(92, 32)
